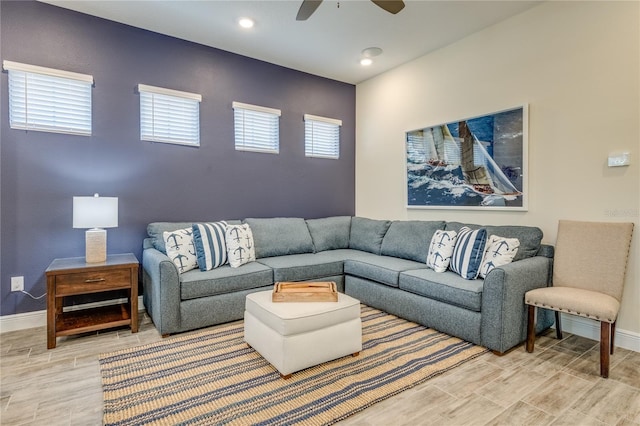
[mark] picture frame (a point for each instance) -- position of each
(477, 163)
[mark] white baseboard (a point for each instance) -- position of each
(23, 321)
(571, 324)
(591, 330)
(39, 318)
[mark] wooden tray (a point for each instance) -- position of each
(305, 292)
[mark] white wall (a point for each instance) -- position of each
(576, 64)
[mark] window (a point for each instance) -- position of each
(256, 128)
(321, 137)
(169, 116)
(48, 100)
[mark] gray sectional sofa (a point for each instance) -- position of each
(379, 262)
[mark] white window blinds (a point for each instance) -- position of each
(256, 128)
(169, 116)
(48, 100)
(321, 136)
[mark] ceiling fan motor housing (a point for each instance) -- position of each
(309, 6)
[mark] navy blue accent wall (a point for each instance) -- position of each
(41, 172)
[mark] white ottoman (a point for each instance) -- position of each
(293, 336)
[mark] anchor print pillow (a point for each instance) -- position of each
(240, 247)
(500, 251)
(441, 249)
(180, 249)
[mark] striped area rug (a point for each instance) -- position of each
(214, 378)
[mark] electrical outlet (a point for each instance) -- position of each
(17, 283)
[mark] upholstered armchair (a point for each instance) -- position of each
(588, 278)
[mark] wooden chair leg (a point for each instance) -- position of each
(605, 347)
(531, 328)
(613, 335)
(558, 326)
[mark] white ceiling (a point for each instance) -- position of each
(328, 44)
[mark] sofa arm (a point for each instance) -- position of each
(161, 295)
(504, 320)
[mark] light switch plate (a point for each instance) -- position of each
(617, 160)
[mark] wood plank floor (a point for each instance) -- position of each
(558, 384)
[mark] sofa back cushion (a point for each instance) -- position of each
(410, 239)
(529, 236)
(280, 236)
(367, 234)
(330, 233)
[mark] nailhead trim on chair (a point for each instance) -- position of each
(542, 305)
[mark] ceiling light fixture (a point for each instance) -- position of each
(367, 54)
(246, 22)
(371, 52)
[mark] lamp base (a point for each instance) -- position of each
(96, 245)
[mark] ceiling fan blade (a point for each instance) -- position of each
(307, 8)
(391, 6)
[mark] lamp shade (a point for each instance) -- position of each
(95, 212)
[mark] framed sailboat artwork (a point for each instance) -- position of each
(471, 163)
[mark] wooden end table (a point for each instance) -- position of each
(72, 277)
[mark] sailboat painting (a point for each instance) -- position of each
(475, 163)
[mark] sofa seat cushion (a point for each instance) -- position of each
(447, 287)
(382, 269)
(225, 279)
(304, 267)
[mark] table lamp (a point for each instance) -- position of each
(95, 213)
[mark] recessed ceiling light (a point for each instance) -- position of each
(365, 62)
(371, 52)
(246, 22)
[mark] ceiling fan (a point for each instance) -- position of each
(309, 6)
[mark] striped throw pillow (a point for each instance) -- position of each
(211, 248)
(468, 252)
